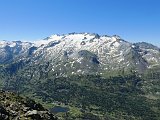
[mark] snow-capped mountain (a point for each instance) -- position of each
(86, 72)
(9, 51)
(82, 53)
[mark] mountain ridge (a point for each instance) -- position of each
(106, 52)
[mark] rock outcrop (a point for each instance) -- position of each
(14, 107)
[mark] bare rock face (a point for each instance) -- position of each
(13, 107)
(4, 115)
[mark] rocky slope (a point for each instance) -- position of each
(13, 107)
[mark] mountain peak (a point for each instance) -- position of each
(111, 52)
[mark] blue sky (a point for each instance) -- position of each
(133, 20)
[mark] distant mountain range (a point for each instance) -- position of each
(94, 77)
(80, 53)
